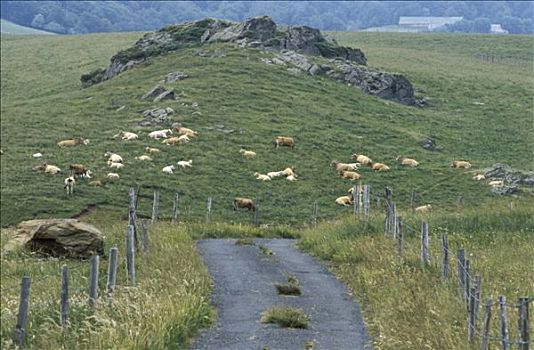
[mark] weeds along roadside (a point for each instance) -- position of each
(405, 305)
(169, 304)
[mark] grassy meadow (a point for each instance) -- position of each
(477, 111)
(42, 103)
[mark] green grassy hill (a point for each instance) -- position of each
(478, 111)
(12, 28)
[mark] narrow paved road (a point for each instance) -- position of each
(244, 277)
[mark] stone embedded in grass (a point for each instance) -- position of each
(285, 316)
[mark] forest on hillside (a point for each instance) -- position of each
(77, 17)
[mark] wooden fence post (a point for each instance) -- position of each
(257, 212)
(155, 207)
(394, 219)
(399, 235)
(477, 286)
(388, 220)
(132, 212)
(144, 236)
(505, 339)
(93, 280)
(355, 200)
(471, 330)
(208, 209)
(425, 259)
(366, 204)
(524, 324)
(484, 345)
(412, 202)
(112, 270)
(445, 252)
(20, 328)
(467, 282)
(64, 297)
(138, 189)
(130, 256)
(461, 272)
(175, 206)
(315, 213)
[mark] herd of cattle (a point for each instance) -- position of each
(185, 135)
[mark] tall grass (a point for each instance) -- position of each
(404, 304)
(168, 305)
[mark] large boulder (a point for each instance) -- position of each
(59, 237)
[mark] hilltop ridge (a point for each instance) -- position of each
(305, 44)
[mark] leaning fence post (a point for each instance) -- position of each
(461, 272)
(484, 345)
(399, 235)
(64, 297)
(112, 270)
(144, 236)
(504, 323)
(445, 252)
(93, 280)
(155, 207)
(524, 324)
(175, 206)
(130, 256)
(20, 328)
(425, 259)
(208, 209)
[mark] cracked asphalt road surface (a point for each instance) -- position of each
(243, 278)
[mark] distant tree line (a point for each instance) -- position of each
(73, 17)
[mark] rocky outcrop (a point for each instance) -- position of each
(510, 175)
(175, 76)
(258, 32)
(299, 44)
(59, 237)
(157, 116)
(385, 85)
(159, 93)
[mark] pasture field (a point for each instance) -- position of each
(42, 103)
(477, 111)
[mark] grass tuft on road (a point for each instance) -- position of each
(285, 316)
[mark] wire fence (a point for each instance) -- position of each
(469, 286)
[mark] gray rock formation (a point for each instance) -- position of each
(165, 95)
(385, 85)
(300, 45)
(258, 32)
(157, 116)
(510, 175)
(431, 145)
(175, 76)
(59, 237)
(154, 92)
